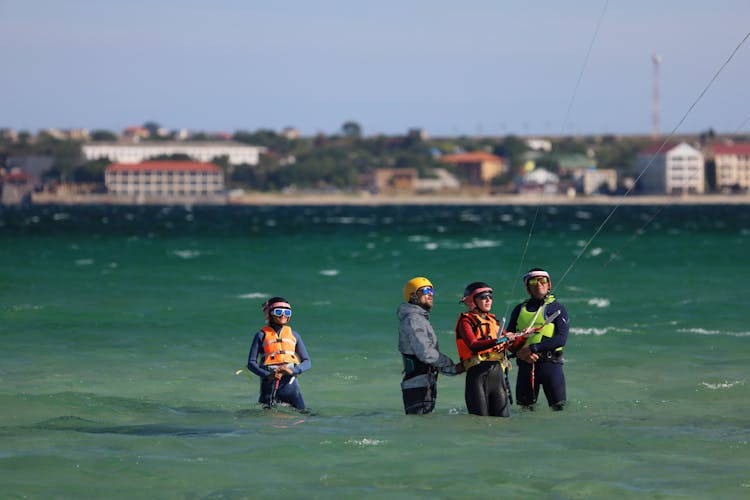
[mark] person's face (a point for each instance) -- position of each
(483, 301)
(425, 296)
(281, 315)
(538, 287)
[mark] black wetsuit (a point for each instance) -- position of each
(547, 372)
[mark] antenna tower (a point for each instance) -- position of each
(656, 59)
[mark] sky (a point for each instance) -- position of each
(468, 67)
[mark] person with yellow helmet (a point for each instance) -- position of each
(277, 355)
(544, 322)
(481, 347)
(419, 348)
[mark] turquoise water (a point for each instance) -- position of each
(123, 327)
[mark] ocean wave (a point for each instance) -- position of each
(598, 302)
(418, 238)
(329, 272)
(595, 331)
(722, 385)
(186, 254)
(475, 243)
(24, 307)
(84, 262)
(366, 442)
(704, 331)
(253, 295)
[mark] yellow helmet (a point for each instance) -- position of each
(413, 285)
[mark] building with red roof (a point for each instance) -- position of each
(479, 167)
(732, 163)
(165, 179)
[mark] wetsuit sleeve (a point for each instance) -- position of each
(560, 335)
(424, 348)
(252, 357)
(466, 332)
(304, 359)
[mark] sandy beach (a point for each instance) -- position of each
(261, 199)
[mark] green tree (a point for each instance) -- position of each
(103, 135)
(351, 129)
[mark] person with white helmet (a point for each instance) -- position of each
(419, 348)
(543, 321)
(481, 347)
(277, 355)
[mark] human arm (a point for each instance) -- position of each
(252, 357)
(423, 344)
(466, 333)
(304, 359)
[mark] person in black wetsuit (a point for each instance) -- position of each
(481, 347)
(540, 360)
(278, 355)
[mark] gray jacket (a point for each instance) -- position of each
(417, 337)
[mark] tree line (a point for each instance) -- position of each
(337, 161)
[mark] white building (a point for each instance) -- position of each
(591, 180)
(673, 169)
(164, 179)
(118, 152)
(539, 145)
(732, 166)
(539, 180)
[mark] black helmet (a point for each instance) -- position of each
(473, 289)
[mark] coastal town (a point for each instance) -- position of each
(150, 165)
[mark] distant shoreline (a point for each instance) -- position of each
(300, 199)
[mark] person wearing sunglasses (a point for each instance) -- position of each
(481, 348)
(544, 322)
(419, 348)
(277, 355)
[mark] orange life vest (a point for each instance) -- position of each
(484, 328)
(279, 348)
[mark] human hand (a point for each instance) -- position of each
(285, 369)
(525, 354)
(511, 336)
(460, 368)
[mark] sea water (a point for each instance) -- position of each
(123, 328)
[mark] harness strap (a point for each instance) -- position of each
(478, 358)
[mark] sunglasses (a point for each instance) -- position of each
(535, 281)
(484, 295)
(279, 311)
(426, 290)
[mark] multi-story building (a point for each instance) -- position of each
(732, 166)
(118, 152)
(479, 167)
(165, 179)
(671, 169)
